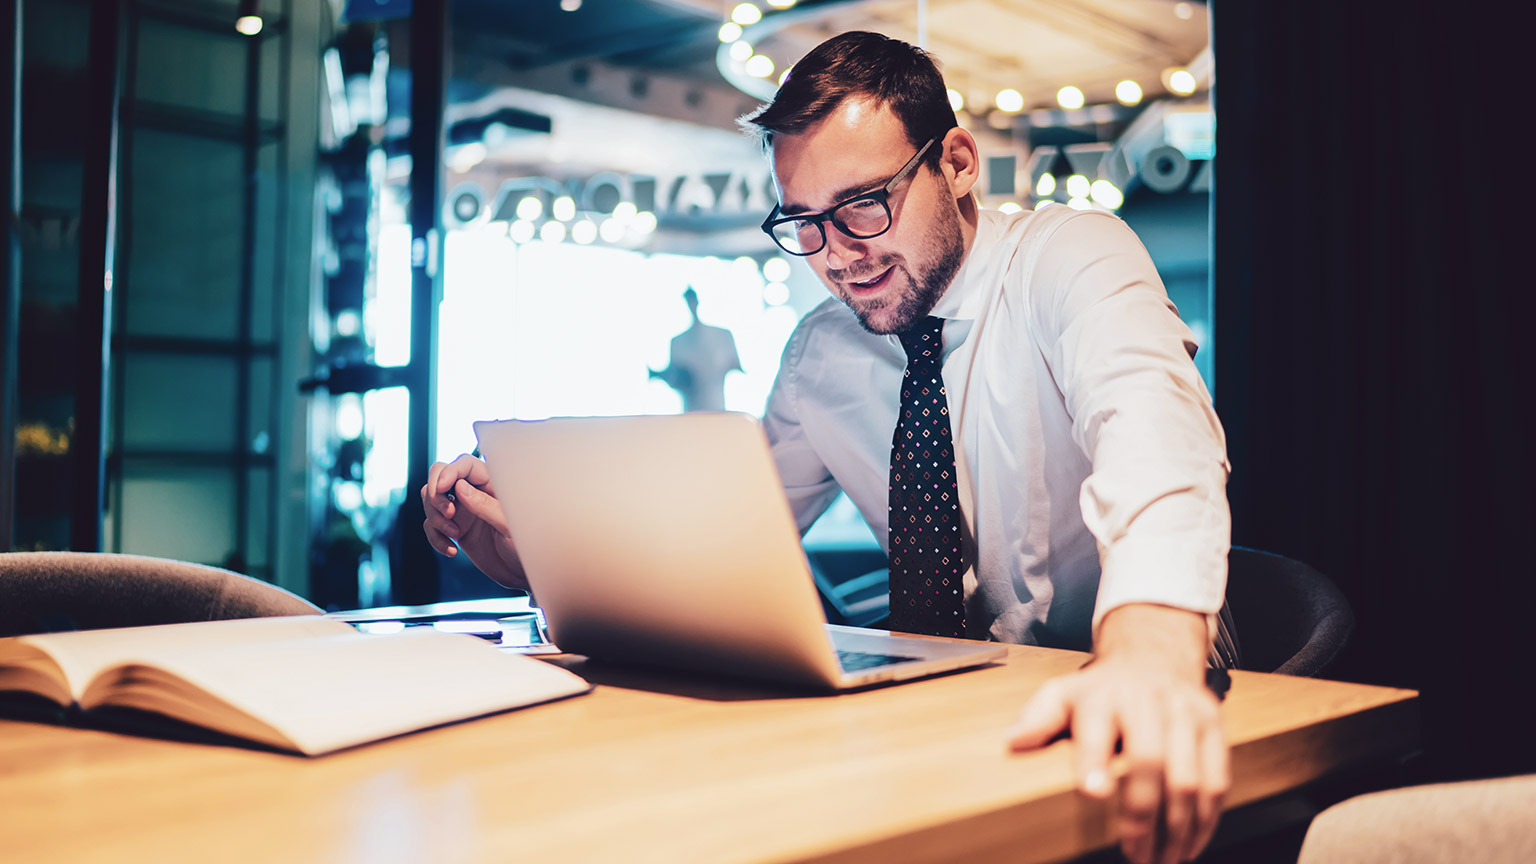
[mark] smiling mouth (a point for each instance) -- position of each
(869, 286)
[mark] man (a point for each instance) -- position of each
(700, 359)
(1056, 474)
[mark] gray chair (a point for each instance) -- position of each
(47, 591)
(1289, 618)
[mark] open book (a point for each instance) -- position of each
(307, 683)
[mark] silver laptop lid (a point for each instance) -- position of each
(663, 539)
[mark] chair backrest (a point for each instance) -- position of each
(43, 591)
(1290, 618)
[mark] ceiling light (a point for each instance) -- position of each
(552, 232)
(775, 293)
(1079, 204)
(746, 13)
(730, 31)
(1010, 100)
(759, 66)
(612, 230)
(1128, 92)
(530, 208)
(741, 50)
(1069, 97)
(1181, 82)
(584, 232)
(1107, 194)
(249, 17)
(521, 231)
(956, 101)
(625, 211)
(776, 270)
(1183, 11)
(570, 5)
(1077, 186)
(1045, 187)
(645, 222)
(783, 76)
(564, 208)
(781, 4)
(1009, 207)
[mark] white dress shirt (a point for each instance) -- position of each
(1092, 468)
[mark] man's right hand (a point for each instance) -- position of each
(470, 518)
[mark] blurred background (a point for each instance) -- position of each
(268, 259)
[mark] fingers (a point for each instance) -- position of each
(1215, 780)
(1043, 717)
(1094, 728)
(482, 506)
(1141, 787)
(1181, 790)
(439, 540)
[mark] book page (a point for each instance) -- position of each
(82, 654)
(328, 692)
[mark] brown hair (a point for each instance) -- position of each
(896, 74)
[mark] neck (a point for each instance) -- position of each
(969, 215)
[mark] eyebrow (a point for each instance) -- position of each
(853, 190)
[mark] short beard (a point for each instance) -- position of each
(928, 285)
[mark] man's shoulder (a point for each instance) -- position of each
(1016, 230)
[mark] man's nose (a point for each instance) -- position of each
(842, 250)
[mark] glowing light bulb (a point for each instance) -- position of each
(956, 101)
(1069, 97)
(1106, 194)
(564, 208)
(741, 50)
(1077, 186)
(1045, 187)
(1010, 100)
(730, 31)
(746, 13)
(759, 66)
(250, 25)
(1181, 82)
(1128, 92)
(530, 208)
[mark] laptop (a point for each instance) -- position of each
(667, 540)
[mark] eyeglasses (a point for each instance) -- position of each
(860, 217)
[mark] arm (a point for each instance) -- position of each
(808, 484)
(1156, 504)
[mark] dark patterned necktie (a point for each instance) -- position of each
(926, 562)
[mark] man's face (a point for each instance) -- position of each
(892, 280)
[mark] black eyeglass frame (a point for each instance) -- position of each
(821, 219)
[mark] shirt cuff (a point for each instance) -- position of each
(1166, 572)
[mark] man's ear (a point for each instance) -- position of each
(960, 162)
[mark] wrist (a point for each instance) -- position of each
(1149, 633)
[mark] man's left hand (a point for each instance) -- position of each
(1145, 690)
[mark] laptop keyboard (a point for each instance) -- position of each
(855, 661)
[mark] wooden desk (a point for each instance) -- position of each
(656, 767)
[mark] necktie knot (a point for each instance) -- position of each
(924, 340)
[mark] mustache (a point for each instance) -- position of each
(865, 270)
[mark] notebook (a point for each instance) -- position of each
(667, 540)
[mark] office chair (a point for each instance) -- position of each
(49, 591)
(1290, 618)
(857, 601)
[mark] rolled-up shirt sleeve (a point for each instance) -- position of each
(1155, 500)
(808, 484)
